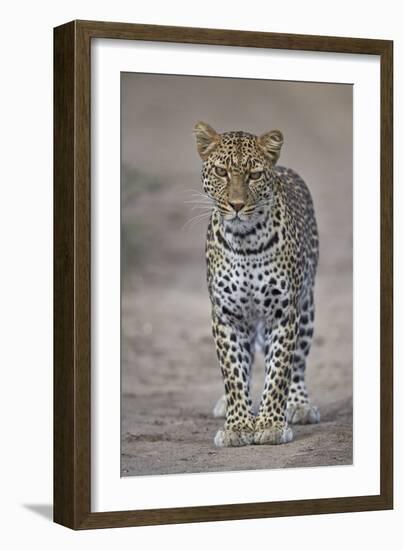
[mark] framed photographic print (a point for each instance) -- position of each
(222, 275)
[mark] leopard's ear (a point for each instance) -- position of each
(206, 139)
(271, 143)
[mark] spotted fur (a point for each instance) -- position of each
(262, 255)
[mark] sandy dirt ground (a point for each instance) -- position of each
(170, 375)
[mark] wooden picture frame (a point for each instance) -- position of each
(72, 270)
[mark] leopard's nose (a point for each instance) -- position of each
(237, 205)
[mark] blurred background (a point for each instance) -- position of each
(170, 375)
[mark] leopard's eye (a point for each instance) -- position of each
(220, 171)
(256, 175)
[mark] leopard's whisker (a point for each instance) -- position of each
(197, 218)
(200, 198)
(199, 201)
(202, 206)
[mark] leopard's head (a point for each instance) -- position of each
(238, 170)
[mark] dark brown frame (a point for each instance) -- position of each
(72, 291)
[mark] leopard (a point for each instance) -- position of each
(262, 251)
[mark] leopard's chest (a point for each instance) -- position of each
(248, 288)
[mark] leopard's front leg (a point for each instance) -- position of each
(232, 339)
(271, 427)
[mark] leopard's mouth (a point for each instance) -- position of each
(239, 216)
(235, 217)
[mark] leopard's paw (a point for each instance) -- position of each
(273, 435)
(220, 408)
(231, 438)
(302, 413)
